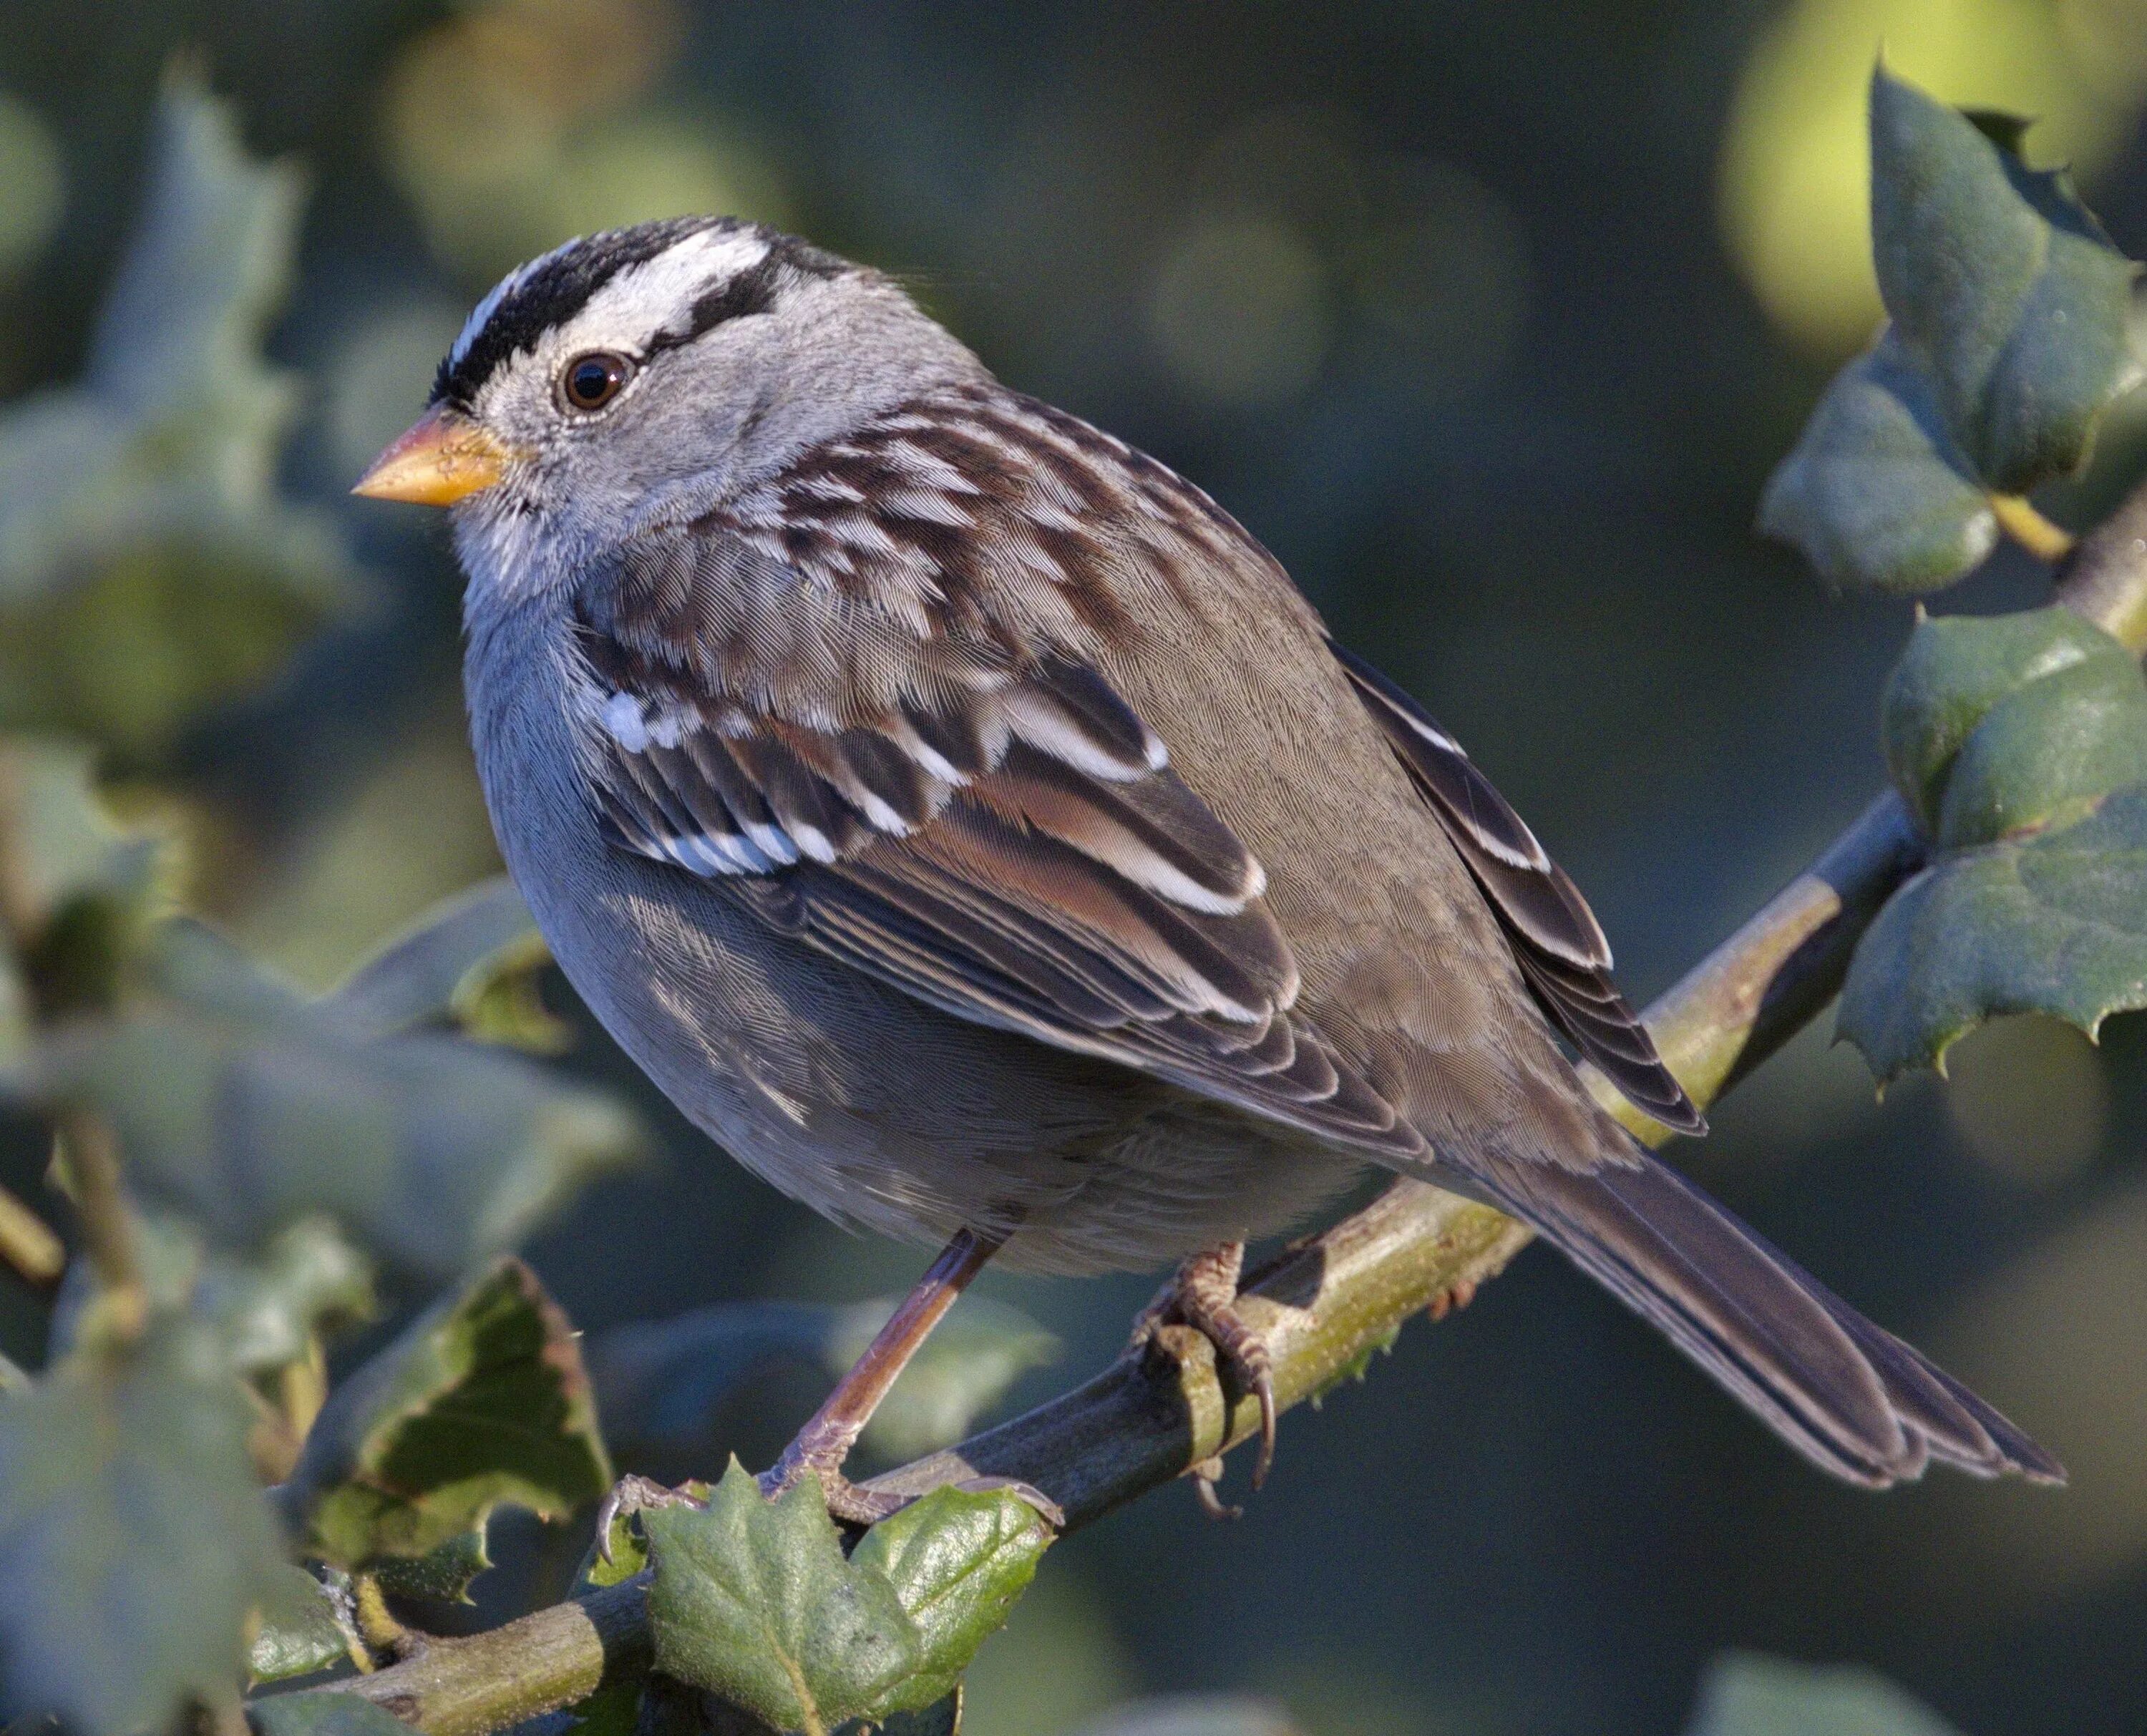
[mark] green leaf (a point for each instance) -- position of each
(468, 957)
(1876, 493)
(2000, 284)
(1744, 1694)
(957, 1562)
(304, 1629)
(1957, 668)
(148, 567)
(2054, 923)
(751, 1599)
(250, 1107)
(2048, 754)
(323, 1715)
(133, 1542)
(482, 1400)
(662, 1382)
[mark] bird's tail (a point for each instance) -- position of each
(1846, 1394)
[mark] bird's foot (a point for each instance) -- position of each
(1204, 1295)
(633, 1494)
(860, 1504)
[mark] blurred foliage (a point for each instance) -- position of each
(134, 1543)
(1746, 1695)
(147, 566)
(662, 1382)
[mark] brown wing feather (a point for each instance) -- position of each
(1010, 846)
(1560, 947)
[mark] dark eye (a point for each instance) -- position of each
(593, 381)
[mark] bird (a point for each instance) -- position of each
(963, 820)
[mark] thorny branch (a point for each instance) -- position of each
(1325, 1304)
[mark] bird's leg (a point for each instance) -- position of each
(1204, 1295)
(826, 1439)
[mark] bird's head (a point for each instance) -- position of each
(640, 375)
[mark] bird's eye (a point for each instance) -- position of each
(593, 381)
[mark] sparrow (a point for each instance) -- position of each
(968, 824)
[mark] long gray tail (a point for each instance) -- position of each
(1847, 1394)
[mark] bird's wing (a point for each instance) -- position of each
(1555, 937)
(1000, 836)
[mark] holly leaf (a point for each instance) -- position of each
(482, 1400)
(957, 1562)
(662, 1382)
(2002, 724)
(134, 1543)
(1876, 493)
(751, 1600)
(249, 1107)
(2000, 286)
(2054, 923)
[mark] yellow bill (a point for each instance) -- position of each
(443, 457)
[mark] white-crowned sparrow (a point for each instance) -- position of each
(961, 818)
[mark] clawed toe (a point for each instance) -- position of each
(633, 1494)
(1204, 1295)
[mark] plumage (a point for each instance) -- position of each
(965, 820)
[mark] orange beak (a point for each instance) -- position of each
(442, 457)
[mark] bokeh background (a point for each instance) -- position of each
(1489, 320)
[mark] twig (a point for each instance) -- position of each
(2017, 517)
(107, 1224)
(1327, 1304)
(28, 1244)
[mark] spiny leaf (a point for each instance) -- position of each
(1876, 493)
(958, 1561)
(751, 1599)
(2000, 284)
(482, 1401)
(1957, 668)
(2054, 923)
(133, 1540)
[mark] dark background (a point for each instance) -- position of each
(1460, 309)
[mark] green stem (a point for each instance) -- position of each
(1326, 1304)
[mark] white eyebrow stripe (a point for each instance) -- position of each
(639, 304)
